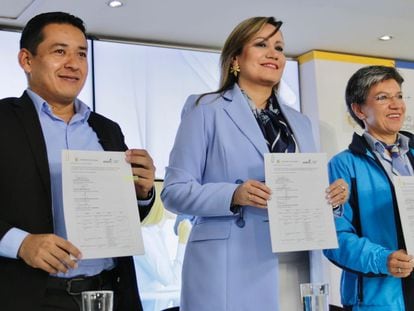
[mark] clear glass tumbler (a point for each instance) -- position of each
(315, 296)
(101, 300)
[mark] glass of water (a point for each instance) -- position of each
(315, 296)
(101, 300)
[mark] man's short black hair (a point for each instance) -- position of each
(32, 34)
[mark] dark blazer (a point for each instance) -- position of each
(25, 196)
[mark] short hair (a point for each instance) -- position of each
(32, 34)
(361, 82)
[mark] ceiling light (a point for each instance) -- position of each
(385, 38)
(115, 3)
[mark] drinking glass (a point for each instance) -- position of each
(101, 300)
(314, 296)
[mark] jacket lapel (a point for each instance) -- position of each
(100, 132)
(29, 120)
(298, 133)
(109, 134)
(240, 113)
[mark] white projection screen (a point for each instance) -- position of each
(143, 88)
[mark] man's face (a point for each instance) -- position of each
(58, 71)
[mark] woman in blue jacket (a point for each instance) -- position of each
(376, 268)
(216, 173)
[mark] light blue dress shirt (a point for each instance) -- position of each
(59, 135)
(384, 158)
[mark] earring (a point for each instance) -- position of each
(235, 69)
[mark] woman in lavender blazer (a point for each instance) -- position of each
(216, 173)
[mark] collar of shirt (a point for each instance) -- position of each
(256, 111)
(384, 158)
(376, 145)
(82, 111)
(58, 135)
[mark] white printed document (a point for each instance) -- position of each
(404, 190)
(100, 205)
(299, 216)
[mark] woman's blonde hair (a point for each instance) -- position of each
(233, 47)
(235, 42)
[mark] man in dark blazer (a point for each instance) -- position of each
(39, 268)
